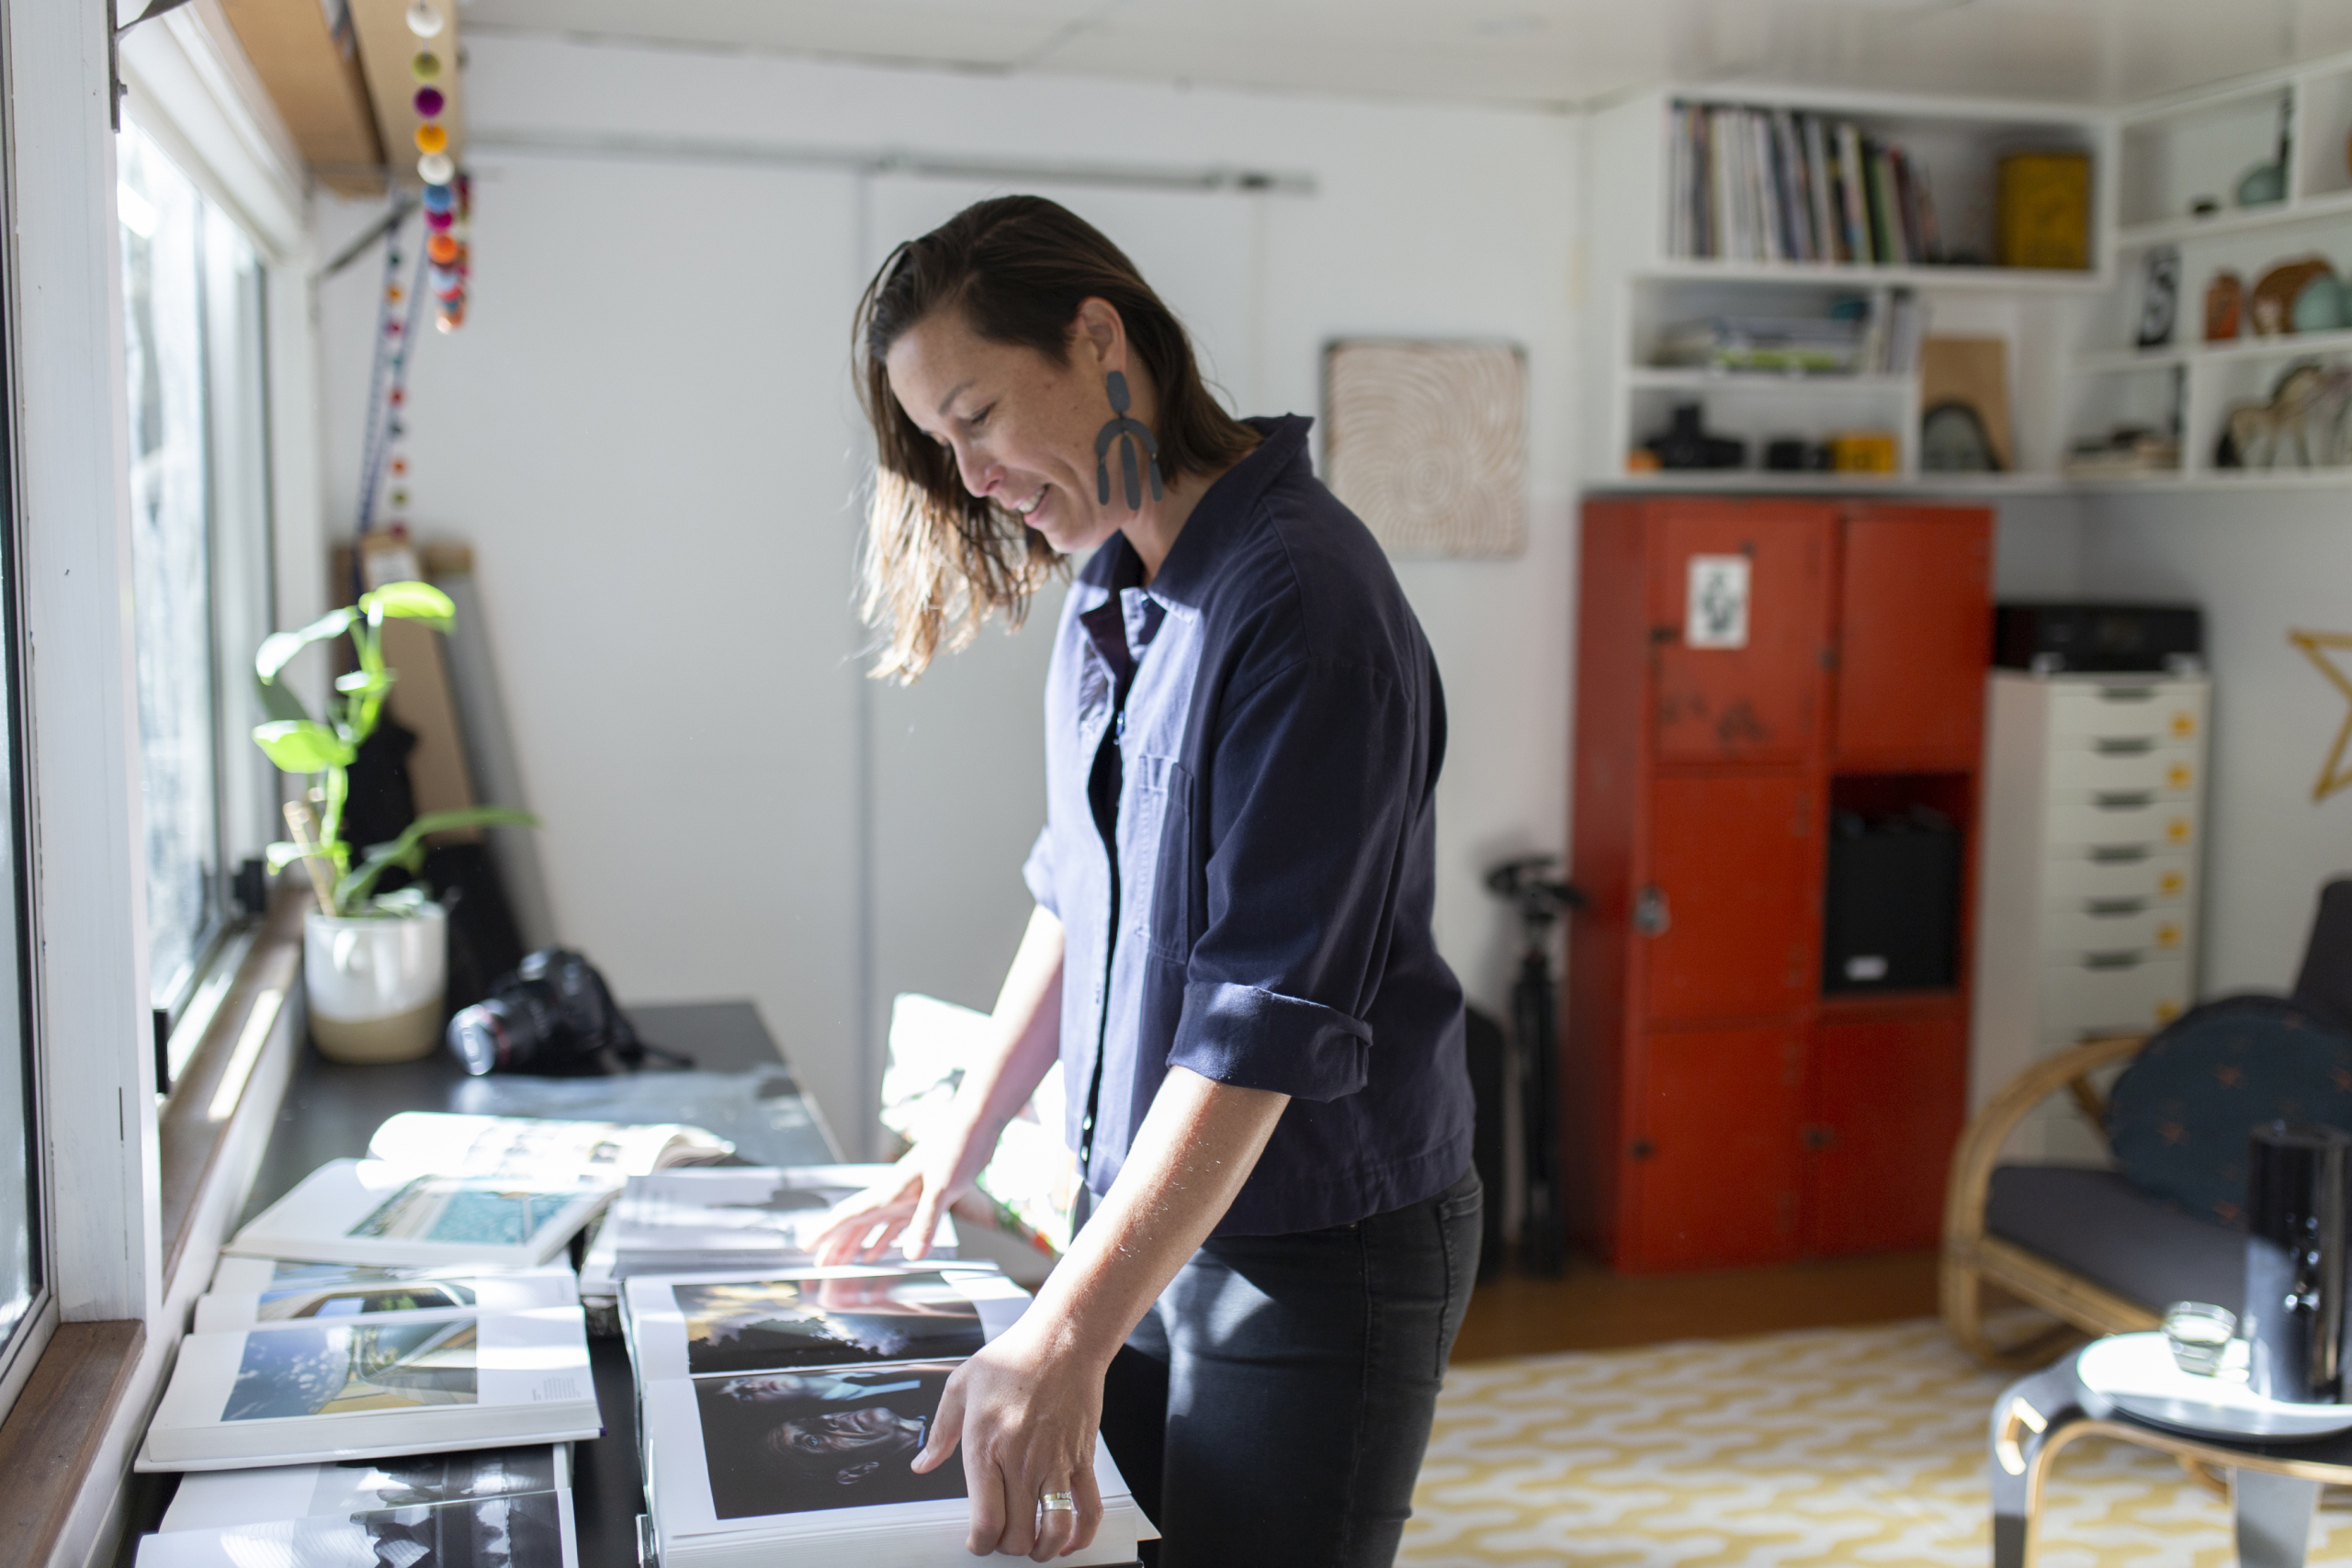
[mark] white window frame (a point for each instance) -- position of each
(93, 1039)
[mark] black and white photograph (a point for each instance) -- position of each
(775, 1325)
(792, 1442)
(524, 1530)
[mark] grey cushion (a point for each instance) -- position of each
(2100, 1226)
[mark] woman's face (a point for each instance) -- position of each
(1022, 427)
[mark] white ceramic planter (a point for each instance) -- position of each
(375, 986)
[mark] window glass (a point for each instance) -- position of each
(162, 275)
(194, 353)
(21, 1270)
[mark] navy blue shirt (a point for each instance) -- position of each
(1262, 730)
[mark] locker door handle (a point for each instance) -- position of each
(2123, 799)
(1643, 1148)
(1651, 915)
(2128, 747)
(1819, 1135)
(2118, 854)
(2102, 907)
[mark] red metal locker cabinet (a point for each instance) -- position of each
(1887, 1101)
(1757, 696)
(1716, 1154)
(1914, 635)
(1729, 913)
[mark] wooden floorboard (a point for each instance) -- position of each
(1592, 1309)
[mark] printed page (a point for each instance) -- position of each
(699, 1325)
(218, 1498)
(522, 1290)
(518, 1148)
(528, 1530)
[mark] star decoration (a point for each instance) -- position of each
(2333, 774)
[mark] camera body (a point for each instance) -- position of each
(553, 1015)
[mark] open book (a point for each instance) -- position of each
(346, 1299)
(370, 1212)
(531, 1530)
(741, 1218)
(303, 1391)
(702, 1324)
(216, 1498)
(518, 1148)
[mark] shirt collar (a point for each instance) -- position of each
(1183, 579)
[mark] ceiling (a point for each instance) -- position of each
(1534, 53)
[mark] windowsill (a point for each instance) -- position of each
(190, 1134)
(55, 1448)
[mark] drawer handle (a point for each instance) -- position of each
(2111, 960)
(1652, 915)
(2124, 747)
(2105, 908)
(2124, 799)
(2118, 854)
(2127, 693)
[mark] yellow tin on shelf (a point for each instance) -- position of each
(2043, 211)
(1862, 451)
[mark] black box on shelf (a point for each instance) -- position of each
(1893, 903)
(2099, 639)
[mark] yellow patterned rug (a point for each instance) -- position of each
(1858, 1446)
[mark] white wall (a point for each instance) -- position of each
(645, 429)
(2260, 564)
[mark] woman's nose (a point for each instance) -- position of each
(979, 475)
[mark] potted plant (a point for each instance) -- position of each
(374, 964)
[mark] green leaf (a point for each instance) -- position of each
(361, 681)
(282, 854)
(470, 816)
(302, 746)
(279, 647)
(279, 701)
(411, 602)
(407, 852)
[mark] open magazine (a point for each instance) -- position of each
(739, 1217)
(344, 1300)
(526, 1147)
(300, 1392)
(530, 1529)
(213, 1499)
(369, 1212)
(702, 1324)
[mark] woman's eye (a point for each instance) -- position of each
(980, 418)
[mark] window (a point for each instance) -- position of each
(22, 1271)
(194, 350)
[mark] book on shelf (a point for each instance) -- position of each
(532, 1149)
(301, 1392)
(699, 1324)
(211, 1499)
(346, 1300)
(530, 1529)
(369, 1212)
(1789, 186)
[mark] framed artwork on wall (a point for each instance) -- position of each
(1427, 441)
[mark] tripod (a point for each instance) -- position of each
(1534, 1019)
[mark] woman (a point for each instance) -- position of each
(1231, 952)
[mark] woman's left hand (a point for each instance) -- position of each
(1025, 1410)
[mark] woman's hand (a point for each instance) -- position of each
(1025, 1410)
(908, 1203)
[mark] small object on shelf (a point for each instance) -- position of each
(2272, 305)
(2044, 210)
(2266, 184)
(1953, 440)
(1826, 345)
(1973, 371)
(2224, 306)
(2319, 307)
(2126, 450)
(1687, 445)
(2160, 297)
(1862, 451)
(2307, 423)
(1641, 461)
(2205, 206)
(1794, 454)
(2099, 639)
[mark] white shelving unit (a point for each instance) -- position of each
(2174, 152)
(1640, 290)
(2074, 371)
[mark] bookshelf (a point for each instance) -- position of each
(2174, 152)
(1644, 281)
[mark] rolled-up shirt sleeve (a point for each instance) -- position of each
(1037, 871)
(1315, 778)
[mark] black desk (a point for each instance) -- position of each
(330, 1112)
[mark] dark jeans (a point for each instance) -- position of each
(1273, 1406)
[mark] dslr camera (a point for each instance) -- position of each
(553, 1015)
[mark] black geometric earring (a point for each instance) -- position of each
(1126, 432)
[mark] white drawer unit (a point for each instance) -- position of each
(2088, 857)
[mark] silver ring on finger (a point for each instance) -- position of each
(1058, 1503)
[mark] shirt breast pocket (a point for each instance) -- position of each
(1157, 861)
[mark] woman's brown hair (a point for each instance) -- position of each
(938, 559)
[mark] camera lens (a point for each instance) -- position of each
(485, 1037)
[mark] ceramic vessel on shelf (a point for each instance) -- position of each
(375, 984)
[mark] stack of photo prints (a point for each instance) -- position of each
(781, 1411)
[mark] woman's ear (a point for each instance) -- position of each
(1099, 332)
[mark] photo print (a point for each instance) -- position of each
(778, 1325)
(794, 1442)
(347, 1299)
(437, 1209)
(367, 1485)
(335, 1370)
(523, 1531)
